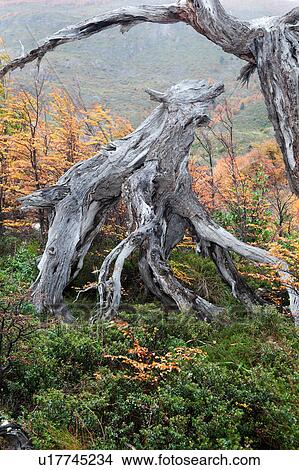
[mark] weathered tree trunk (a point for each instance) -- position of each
(150, 169)
(16, 438)
(158, 186)
(276, 51)
(149, 157)
(79, 203)
(270, 45)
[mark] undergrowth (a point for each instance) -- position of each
(151, 379)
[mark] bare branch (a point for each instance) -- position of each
(291, 18)
(123, 17)
(208, 17)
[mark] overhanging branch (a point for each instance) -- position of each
(207, 17)
(123, 17)
(291, 18)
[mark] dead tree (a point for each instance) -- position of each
(149, 168)
(269, 45)
(15, 436)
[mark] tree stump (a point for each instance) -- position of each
(149, 169)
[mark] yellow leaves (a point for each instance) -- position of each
(189, 353)
(68, 130)
(115, 229)
(42, 136)
(98, 376)
(178, 271)
(244, 406)
(17, 223)
(286, 250)
(187, 242)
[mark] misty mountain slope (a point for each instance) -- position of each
(115, 68)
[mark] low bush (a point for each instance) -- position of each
(156, 380)
(152, 379)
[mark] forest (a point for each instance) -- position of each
(149, 280)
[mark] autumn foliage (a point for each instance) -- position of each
(41, 136)
(249, 195)
(147, 366)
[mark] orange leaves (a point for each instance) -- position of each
(204, 184)
(42, 136)
(101, 127)
(250, 192)
(146, 366)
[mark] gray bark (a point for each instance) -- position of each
(229, 273)
(149, 168)
(125, 18)
(91, 188)
(15, 436)
(277, 57)
(269, 45)
(148, 158)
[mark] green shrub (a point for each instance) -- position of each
(18, 269)
(239, 394)
(74, 386)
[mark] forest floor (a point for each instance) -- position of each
(151, 379)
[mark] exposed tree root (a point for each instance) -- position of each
(149, 168)
(15, 436)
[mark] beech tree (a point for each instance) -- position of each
(149, 167)
(40, 139)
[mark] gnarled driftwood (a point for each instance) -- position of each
(150, 169)
(15, 436)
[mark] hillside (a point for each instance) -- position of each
(115, 69)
